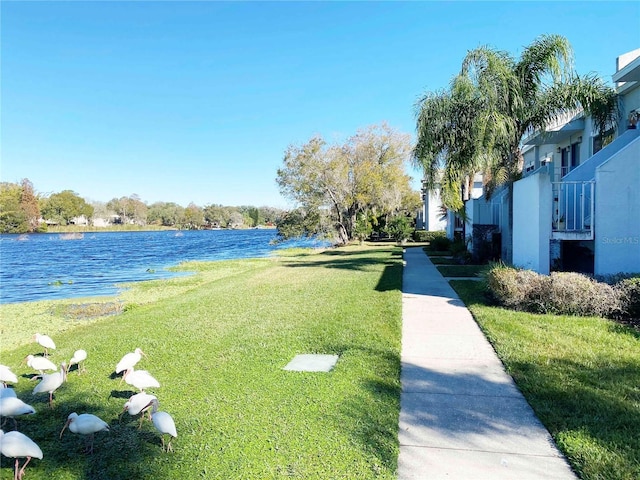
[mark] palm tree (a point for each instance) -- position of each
(477, 126)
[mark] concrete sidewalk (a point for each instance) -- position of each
(461, 415)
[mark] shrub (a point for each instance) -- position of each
(428, 236)
(459, 251)
(577, 294)
(400, 229)
(510, 286)
(629, 290)
(562, 293)
(362, 228)
(440, 244)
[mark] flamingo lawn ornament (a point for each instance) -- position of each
(51, 382)
(139, 404)
(140, 379)
(6, 375)
(17, 445)
(12, 407)
(79, 356)
(46, 342)
(40, 363)
(164, 424)
(85, 424)
(129, 360)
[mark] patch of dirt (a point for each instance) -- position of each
(85, 311)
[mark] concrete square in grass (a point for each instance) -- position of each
(312, 363)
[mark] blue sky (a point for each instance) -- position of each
(197, 101)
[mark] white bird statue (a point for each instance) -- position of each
(12, 407)
(129, 360)
(51, 382)
(85, 424)
(17, 445)
(79, 356)
(139, 404)
(45, 341)
(40, 363)
(7, 392)
(140, 379)
(164, 424)
(6, 375)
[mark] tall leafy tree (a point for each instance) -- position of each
(168, 214)
(366, 173)
(130, 209)
(477, 125)
(193, 217)
(29, 204)
(64, 206)
(12, 217)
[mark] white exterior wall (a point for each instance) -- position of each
(433, 217)
(470, 220)
(617, 213)
(631, 101)
(532, 208)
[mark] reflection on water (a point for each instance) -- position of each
(49, 266)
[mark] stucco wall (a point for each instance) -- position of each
(434, 220)
(532, 222)
(617, 212)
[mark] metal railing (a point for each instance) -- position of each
(573, 206)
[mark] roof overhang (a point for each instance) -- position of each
(558, 135)
(630, 72)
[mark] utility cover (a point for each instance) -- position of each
(312, 363)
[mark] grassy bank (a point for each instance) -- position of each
(217, 342)
(581, 375)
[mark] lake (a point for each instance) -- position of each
(53, 266)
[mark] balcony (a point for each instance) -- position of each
(560, 129)
(573, 207)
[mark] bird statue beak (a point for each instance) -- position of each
(63, 428)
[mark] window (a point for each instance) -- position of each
(575, 155)
(600, 141)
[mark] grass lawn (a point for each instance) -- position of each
(461, 270)
(441, 260)
(217, 341)
(581, 375)
(437, 253)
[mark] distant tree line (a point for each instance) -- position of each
(22, 210)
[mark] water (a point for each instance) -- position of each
(54, 266)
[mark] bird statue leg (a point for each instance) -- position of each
(51, 400)
(169, 447)
(15, 475)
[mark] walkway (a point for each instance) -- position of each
(461, 415)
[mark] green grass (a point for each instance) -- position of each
(461, 270)
(581, 375)
(441, 260)
(217, 342)
(436, 253)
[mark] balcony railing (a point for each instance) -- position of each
(573, 207)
